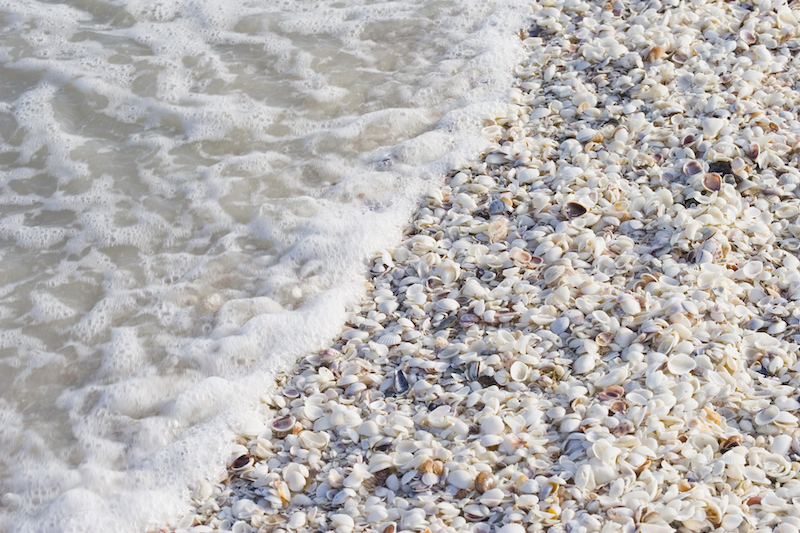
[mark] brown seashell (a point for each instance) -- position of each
(774, 127)
(688, 139)
(573, 210)
(426, 466)
(612, 392)
(641, 468)
(712, 181)
(684, 485)
(241, 462)
(438, 467)
(753, 500)
(536, 260)
(732, 442)
(618, 407)
(483, 482)
(692, 167)
(389, 529)
(753, 151)
(655, 52)
(712, 415)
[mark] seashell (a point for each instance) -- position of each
(603, 338)
(239, 462)
(460, 479)
(484, 482)
(476, 513)
(389, 339)
(518, 371)
(747, 36)
(492, 425)
(738, 166)
(450, 271)
(712, 126)
(692, 168)
(447, 304)
(752, 269)
(679, 364)
(313, 439)
(296, 481)
(753, 151)
(730, 443)
(712, 181)
(521, 256)
(573, 210)
(400, 382)
(492, 498)
(767, 416)
(497, 230)
(497, 207)
(612, 392)
(468, 320)
(283, 425)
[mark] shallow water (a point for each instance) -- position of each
(189, 193)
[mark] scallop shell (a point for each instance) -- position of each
(389, 339)
(497, 230)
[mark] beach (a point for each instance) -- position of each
(591, 327)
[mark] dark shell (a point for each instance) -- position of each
(612, 392)
(574, 210)
(692, 167)
(400, 382)
(497, 207)
(712, 181)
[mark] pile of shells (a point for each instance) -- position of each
(594, 328)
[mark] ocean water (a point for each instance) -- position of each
(189, 194)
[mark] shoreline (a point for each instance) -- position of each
(590, 329)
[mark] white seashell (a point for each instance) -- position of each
(297, 520)
(296, 481)
(492, 425)
(712, 126)
(460, 479)
(488, 441)
(450, 271)
(752, 269)
(369, 429)
(584, 363)
(447, 304)
(492, 498)
(511, 528)
(312, 439)
(679, 364)
(768, 415)
(244, 508)
(518, 371)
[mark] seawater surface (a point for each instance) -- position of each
(189, 193)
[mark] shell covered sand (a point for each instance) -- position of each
(591, 329)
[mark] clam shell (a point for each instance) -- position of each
(681, 364)
(573, 210)
(283, 425)
(692, 168)
(768, 415)
(712, 181)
